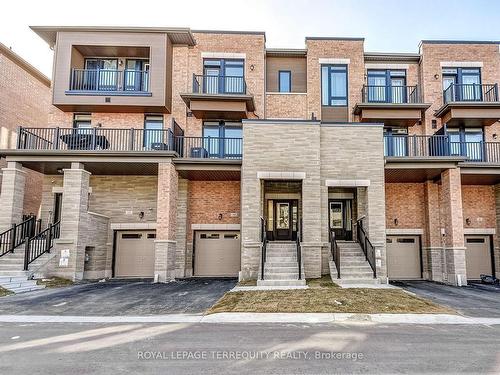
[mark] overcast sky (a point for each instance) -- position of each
(387, 25)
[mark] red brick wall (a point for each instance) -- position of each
(24, 101)
(208, 199)
(405, 202)
(478, 202)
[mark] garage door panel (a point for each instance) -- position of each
(403, 257)
(217, 254)
(134, 254)
(477, 256)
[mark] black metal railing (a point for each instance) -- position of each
(109, 80)
(471, 92)
(40, 244)
(107, 139)
(391, 94)
(299, 248)
(218, 84)
(263, 257)
(17, 234)
(335, 250)
(366, 246)
(422, 146)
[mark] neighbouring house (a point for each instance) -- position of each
(173, 153)
(24, 101)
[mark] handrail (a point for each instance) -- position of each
(299, 248)
(17, 234)
(127, 80)
(264, 246)
(335, 250)
(470, 92)
(391, 94)
(40, 244)
(366, 246)
(218, 84)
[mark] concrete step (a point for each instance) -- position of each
(281, 264)
(352, 262)
(357, 275)
(18, 284)
(5, 273)
(281, 282)
(281, 276)
(351, 282)
(279, 259)
(357, 267)
(11, 279)
(280, 269)
(27, 289)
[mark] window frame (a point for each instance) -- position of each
(146, 141)
(221, 77)
(221, 126)
(458, 79)
(389, 75)
(331, 67)
(289, 72)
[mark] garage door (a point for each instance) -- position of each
(403, 257)
(135, 254)
(217, 254)
(477, 256)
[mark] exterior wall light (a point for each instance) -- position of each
(467, 221)
(396, 222)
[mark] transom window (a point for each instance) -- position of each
(334, 85)
(285, 81)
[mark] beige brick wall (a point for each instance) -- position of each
(478, 203)
(405, 202)
(24, 101)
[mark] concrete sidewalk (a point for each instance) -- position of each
(260, 318)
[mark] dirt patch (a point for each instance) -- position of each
(54, 282)
(4, 292)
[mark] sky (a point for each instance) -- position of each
(386, 25)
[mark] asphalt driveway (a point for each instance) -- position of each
(476, 300)
(111, 298)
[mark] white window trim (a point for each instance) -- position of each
(461, 64)
(347, 183)
(223, 55)
(335, 61)
(387, 66)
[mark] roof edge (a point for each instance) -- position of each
(24, 64)
(334, 38)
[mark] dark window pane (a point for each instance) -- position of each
(285, 81)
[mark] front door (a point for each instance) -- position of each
(282, 220)
(340, 212)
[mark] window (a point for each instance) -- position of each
(395, 141)
(131, 236)
(285, 81)
(154, 136)
(334, 85)
(82, 123)
(136, 75)
(101, 74)
(221, 76)
(222, 139)
(386, 86)
(462, 84)
(466, 142)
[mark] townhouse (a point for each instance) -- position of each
(24, 100)
(173, 153)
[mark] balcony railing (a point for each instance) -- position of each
(132, 140)
(207, 84)
(471, 93)
(391, 94)
(432, 146)
(108, 80)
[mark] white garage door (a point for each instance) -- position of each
(135, 254)
(403, 257)
(477, 256)
(217, 254)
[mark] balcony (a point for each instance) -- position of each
(105, 141)
(392, 105)
(107, 81)
(435, 147)
(219, 97)
(473, 105)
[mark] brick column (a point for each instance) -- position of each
(432, 247)
(12, 195)
(497, 235)
(74, 223)
(452, 220)
(166, 222)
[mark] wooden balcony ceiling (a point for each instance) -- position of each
(403, 114)
(109, 51)
(469, 113)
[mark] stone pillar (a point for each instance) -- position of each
(166, 222)
(452, 220)
(12, 195)
(74, 221)
(432, 247)
(311, 244)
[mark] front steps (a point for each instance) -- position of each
(19, 284)
(354, 268)
(281, 268)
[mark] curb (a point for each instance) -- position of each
(228, 318)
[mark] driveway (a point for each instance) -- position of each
(476, 300)
(192, 296)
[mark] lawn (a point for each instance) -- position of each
(4, 292)
(325, 297)
(54, 282)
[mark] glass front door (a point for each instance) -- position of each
(282, 220)
(340, 218)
